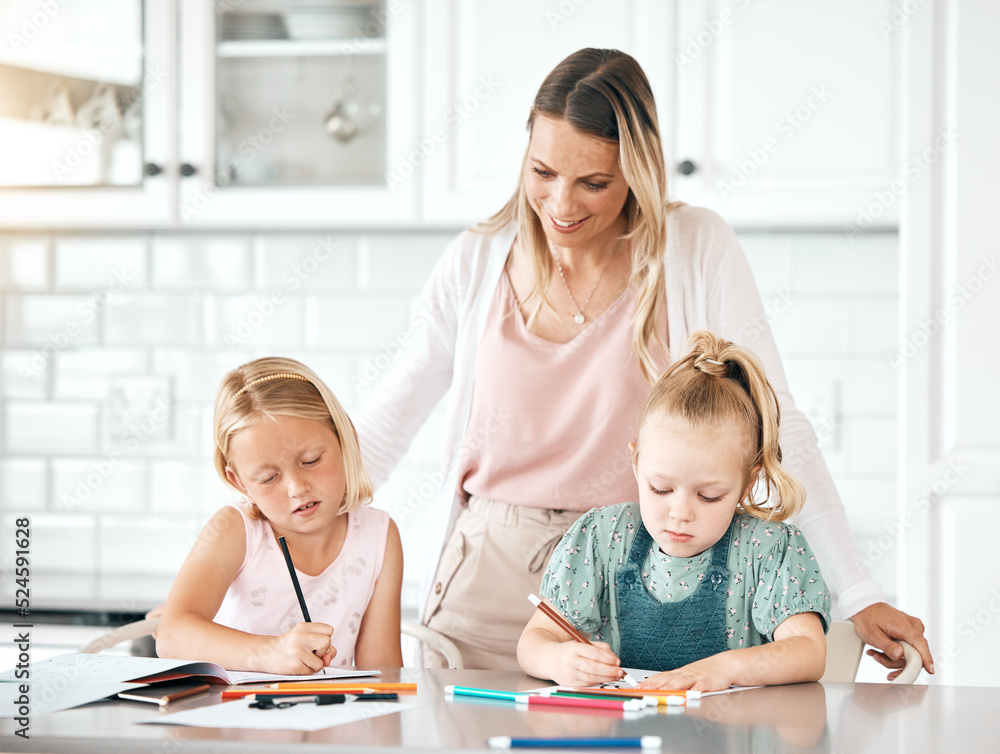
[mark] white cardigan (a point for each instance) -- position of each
(709, 286)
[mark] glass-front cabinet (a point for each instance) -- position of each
(85, 121)
(209, 113)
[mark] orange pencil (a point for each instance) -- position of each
(568, 627)
(238, 692)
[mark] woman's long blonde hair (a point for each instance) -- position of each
(273, 386)
(605, 94)
(720, 383)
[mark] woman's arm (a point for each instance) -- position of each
(378, 644)
(188, 632)
(546, 651)
(797, 654)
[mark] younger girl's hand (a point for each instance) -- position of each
(304, 649)
(710, 674)
(578, 664)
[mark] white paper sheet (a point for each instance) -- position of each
(47, 697)
(239, 714)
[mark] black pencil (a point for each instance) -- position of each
(295, 582)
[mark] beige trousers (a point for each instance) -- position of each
(493, 560)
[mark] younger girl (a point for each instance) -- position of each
(700, 565)
(283, 441)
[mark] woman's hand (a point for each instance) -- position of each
(304, 649)
(714, 673)
(880, 624)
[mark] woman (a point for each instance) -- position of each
(549, 324)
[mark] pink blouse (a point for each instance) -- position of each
(546, 428)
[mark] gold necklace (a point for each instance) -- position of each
(580, 318)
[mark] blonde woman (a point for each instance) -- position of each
(284, 443)
(699, 580)
(547, 326)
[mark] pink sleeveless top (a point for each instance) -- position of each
(551, 422)
(261, 600)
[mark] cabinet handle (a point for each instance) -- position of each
(151, 168)
(187, 169)
(687, 167)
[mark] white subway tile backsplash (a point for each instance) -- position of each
(106, 263)
(189, 487)
(87, 372)
(770, 256)
(869, 338)
(50, 323)
(811, 326)
(145, 545)
(195, 372)
(871, 445)
(832, 264)
(401, 262)
(336, 369)
(23, 374)
(45, 428)
(368, 323)
(306, 262)
(154, 320)
(270, 318)
(60, 543)
(200, 262)
(189, 435)
(24, 263)
(867, 384)
(97, 485)
(23, 484)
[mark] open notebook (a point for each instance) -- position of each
(102, 668)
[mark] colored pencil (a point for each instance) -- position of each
(547, 701)
(642, 742)
(559, 619)
(651, 700)
(238, 692)
(633, 693)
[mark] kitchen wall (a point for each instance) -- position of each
(114, 507)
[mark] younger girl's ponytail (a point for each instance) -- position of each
(718, 382)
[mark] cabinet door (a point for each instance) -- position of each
(483, 61)
(787, 111)
(86, 98)
(289, 113)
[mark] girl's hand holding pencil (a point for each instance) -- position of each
(302, 650)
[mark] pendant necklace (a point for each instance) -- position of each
(580, 318)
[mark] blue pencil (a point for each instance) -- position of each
(641, 742)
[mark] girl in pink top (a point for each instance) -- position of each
(284, 442)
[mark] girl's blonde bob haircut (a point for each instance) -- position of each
(718, 383)
(267, 388)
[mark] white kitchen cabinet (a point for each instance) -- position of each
(253, 113)
(63, 161)
(482, 63)
(253, 146)
(787, 112)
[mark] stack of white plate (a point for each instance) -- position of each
(253, 26)
(330, 20)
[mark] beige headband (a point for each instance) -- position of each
(268, 378)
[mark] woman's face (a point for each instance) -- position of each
(575, 184)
